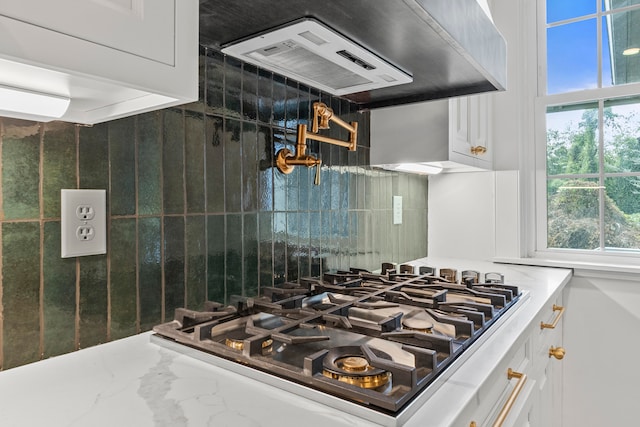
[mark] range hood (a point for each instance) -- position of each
(438, 48)
(314, 54)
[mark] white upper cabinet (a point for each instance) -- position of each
(111, 58)
(453, 134)
(470, 130)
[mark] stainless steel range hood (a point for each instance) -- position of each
(449, 48)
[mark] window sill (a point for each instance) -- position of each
(581, 268)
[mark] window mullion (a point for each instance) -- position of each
(599, 44)
(602, 189)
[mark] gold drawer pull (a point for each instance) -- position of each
(522, 378)
(557, 352)
(511, 374)
(556, 320)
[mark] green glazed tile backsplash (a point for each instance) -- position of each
(196, 211)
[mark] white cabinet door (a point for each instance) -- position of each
(143, 27)
(470, 130)
(549, 368)
(459, 129)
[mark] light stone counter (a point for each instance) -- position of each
(134, 382)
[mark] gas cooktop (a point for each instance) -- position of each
(377, 340)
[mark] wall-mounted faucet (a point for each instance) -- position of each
(322, 115)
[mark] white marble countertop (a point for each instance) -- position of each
(134, 382)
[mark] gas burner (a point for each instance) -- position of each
(417, 324)
(350, 365)
(237, 344)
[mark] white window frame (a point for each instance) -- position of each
(538, 246)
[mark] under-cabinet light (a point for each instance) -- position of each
(419, 168)
(23, 101)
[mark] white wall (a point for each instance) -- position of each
(461, 215)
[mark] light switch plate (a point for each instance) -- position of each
(397, 210)
(83, 222)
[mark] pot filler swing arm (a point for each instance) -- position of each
(322, 115)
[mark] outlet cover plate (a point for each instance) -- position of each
(83, 222)
(397, 210)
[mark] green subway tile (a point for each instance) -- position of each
(249, 167)
(214, 164)
(325, 239)
(58, 165)
(215, 258)
(315, 235)
(265, 168)
(122, 198)
(173, 264)
(304, 244)
(291, 107)
(196, 242)
(215, 81)
(279, 247)
(279, 95)
(21, 293)
(232, 86)
(265, 82)
(314, 192)
(21, 175)
(173, 161)
(232, 166)
(233, 259)
(365, 181)
(353, 180)
(59, 298)
(123, 278)
(305, 182)
(326, 180)
(149, 164)
(265, 238)
(293, 249)
(194, 162)
(250, 254)
(93, 158)
(150, 272)
(249, 97)
(279, 190)
(93, 300)
(293, 188)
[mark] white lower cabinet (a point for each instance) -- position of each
(525, 387)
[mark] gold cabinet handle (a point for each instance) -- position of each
(522, 378)
(511, 374)
(478, 149)
(557, 352)
(556, 320)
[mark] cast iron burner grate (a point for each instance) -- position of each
(374, 339)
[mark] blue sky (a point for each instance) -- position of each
(572, 61)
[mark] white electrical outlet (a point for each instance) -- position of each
(84, 222)
(397, 210)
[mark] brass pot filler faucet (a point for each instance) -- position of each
(286, 160)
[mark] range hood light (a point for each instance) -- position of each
(419, 168)
(22, 101)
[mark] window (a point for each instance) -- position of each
(589, 99)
